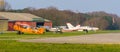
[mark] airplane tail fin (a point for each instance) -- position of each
(70, 26)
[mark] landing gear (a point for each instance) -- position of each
(85, 30)
(20, 33)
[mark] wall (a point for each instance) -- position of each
(3, 25)
(11, 24)
(48, 24)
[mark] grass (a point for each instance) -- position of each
(14, 46)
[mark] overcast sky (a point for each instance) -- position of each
(109, 6)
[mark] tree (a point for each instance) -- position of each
(97, 22)
(4, 6)
(100, 19)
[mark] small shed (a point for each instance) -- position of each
(3, 24)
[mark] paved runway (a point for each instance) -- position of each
(109, 38)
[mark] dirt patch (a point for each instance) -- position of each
(110, 38)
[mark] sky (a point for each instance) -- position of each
(83, 6)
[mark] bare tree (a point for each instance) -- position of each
(4, 6)
(97, 22)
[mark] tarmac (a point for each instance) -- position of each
(108, 38)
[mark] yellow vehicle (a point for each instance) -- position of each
(28, 29)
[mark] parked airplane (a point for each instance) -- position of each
(67, 28)
(60, 29)
(89, 28)
(25, 28)
(70, 28)
(81, 28)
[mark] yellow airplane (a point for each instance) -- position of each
(27, 29)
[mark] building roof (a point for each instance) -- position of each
(2, 18)
(20, 16)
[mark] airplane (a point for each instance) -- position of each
(54, 29)
(89, 28)
(81, 28)
(68, 28)
(71, 28)
(25, 28)
(60, 29)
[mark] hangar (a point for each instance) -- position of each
(8, 19)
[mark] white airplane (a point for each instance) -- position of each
(89, 28)
(81, 28)
(54, 29)
(70, 28)
(63, 29)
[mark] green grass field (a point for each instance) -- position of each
(8, 43)
(14, 46)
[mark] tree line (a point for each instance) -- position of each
(100, 19)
